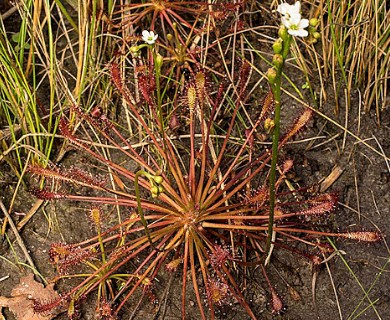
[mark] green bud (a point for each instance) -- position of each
(283, 33)
(316, 35)
(313, 22)
(271, 75)
(159, 60)
(154, 190)
(134, 49)
(277, 60)
(169, 37)
(278, 46)
(160, 189)
(158, 179)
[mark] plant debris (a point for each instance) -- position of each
(26, 295)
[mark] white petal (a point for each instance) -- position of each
(298, 33)
(292, 32)
(286, 22)
(304, 23)
(295, 19)
(297, 7)
(283, 8)
(145, 34)
(303, 33)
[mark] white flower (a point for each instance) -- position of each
(287, 10)
(296, 25)
(292, 20)
(149, 37)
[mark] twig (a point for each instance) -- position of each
(8, 13)
(18, 238)
(4, 278)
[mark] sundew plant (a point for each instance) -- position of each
(199, 196)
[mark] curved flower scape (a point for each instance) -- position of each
(292, 19)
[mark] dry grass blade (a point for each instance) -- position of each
(331, 178)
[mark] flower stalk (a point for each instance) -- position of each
(276, 91)
(292, 25)
(156, 189)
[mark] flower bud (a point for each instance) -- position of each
(154, 190)
(134, 49)
(316, 35)
(283, 33)
(159, 61)
(277, 60)
(278, 46)
(271, 75)
(158, 179)
(169, 37)
(313, 22)
(160, 189)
